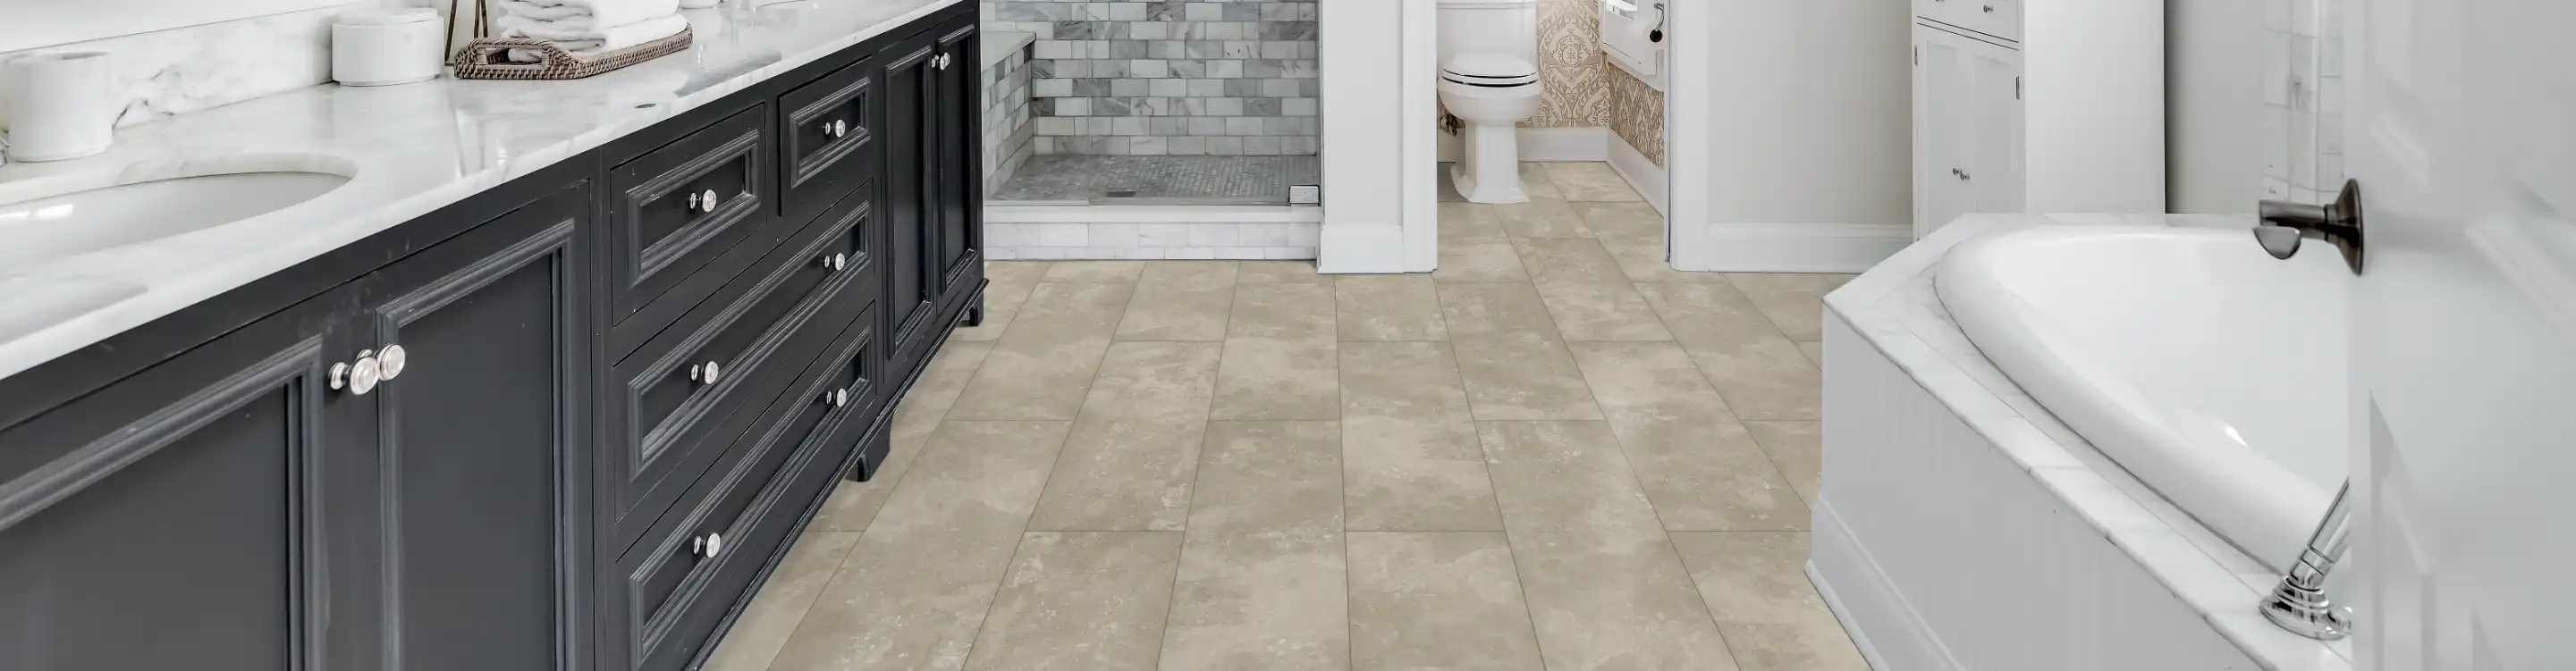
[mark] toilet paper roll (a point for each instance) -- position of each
(59, 106)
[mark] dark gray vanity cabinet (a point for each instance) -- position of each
(569, 423)
(387, 474)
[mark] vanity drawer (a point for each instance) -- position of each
(675, 209)
(826, 138)
(675, 589)
(1999, 19)
(671, 417)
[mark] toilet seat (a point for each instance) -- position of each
(1488, 71)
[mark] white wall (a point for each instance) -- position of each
(2214, 105)
(1808, 120)
(1365, 107)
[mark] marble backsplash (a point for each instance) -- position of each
(189, 69)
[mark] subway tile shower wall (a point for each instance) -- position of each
(1232, 77)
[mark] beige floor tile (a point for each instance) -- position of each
(1261, 583)
(1011, 283)
(1795, 302)
(1837, 280)
(1095, 271)
(1587, 293)
(1440, 600)
(1388, 307)
(1279, 361)
(1590, 180)
(1605, 588)
(1702, 470)
(852, 504)
(1411, 457)
(772, 616)
(1130, 460)
(1755, 586)
(1622, 220)
(1509, 354)
(1538, 182)
(1760, 373)
(914, 591)
(1815, 352)
(1081, 600)
(1042, 373)
(1180, 300)
(1797, 449)
(1479, 261)
(1122, 475)
(1469, 221)
(1541, 218)
(1278, 272)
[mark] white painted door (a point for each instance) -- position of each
(2464, 333)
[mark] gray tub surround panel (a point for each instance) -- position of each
(410, 149)
(1009, 134)
(1226, 78)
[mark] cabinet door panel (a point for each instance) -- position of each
(958, 165)
(910, 192)
(1944, 132)
(176, 519)
(484, 467)
(1994, 75)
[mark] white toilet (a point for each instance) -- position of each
(1489, 80)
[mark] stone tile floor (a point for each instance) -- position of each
(1554, 453)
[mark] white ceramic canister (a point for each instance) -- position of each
(59, 107)
(379, 47)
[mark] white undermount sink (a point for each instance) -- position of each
(60, 216)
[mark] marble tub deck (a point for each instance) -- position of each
(1554, 453)
(1896, 309)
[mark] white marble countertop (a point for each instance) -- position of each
(408, 149)
(1896, 309)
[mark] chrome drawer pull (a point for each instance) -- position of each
(703, 202)
(837, 397)
(707, 546)
(836, 262)
(705, 372)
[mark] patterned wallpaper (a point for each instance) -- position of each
(1571, 66)
(1637, 114)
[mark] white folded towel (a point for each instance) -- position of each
(588, 41)
(589, 13)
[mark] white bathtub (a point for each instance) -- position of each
(2210, 370)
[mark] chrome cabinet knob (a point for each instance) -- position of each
(703, 202)
(707, 546)
(836, 262)
(391, 361)
(707, 372)
(837, 128)
(837, 397)
(360, 376)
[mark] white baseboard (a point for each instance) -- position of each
(1800, 248)
(1357, 248)
(1642, 173)
(1858, 592)
(1584, 143)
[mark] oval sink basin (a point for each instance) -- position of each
(68, 215)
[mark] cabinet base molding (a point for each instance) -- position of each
(1801, 248)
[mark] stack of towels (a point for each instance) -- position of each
(588, 27)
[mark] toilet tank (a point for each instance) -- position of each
(1508, 27)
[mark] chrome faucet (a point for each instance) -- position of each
(2299, 604)
(2285, 223)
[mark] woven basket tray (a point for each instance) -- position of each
(489, 58)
